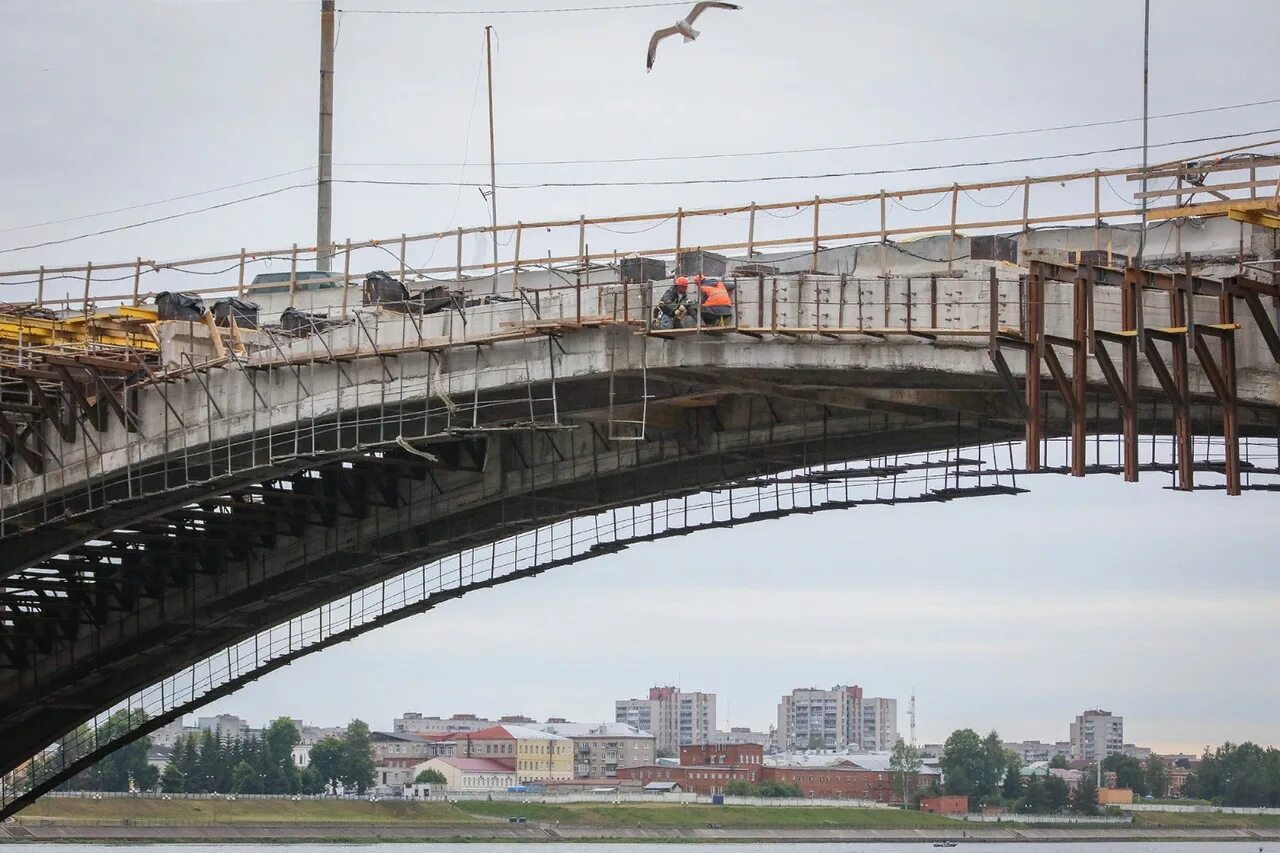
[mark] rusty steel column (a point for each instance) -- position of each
(1230, 413)
(1130, 314)
(1222, 376)
(1035, 354)
(1182, 412)
(1080, 372)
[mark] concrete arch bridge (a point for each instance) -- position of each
(171, 528)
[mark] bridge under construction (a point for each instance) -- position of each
(198, 486)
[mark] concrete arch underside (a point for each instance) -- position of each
(184, 566)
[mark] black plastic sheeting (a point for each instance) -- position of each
(301, 323)
(390, 293)
(381, 289)
(245, 313)
(179, 306)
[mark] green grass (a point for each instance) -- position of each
(1207, 820)
(690, 816)
(76, 810)
(472, 812)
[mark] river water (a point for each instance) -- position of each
(830, 847)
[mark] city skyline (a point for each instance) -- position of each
(1036, 652)
(1013, 614)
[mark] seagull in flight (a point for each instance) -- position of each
(684, 26)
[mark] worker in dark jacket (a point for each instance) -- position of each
(714, 301)
(673, 309)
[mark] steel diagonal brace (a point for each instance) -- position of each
(1162, 373)
(382, 359)
(1223, 382)
(197, 374)
(33, 459)
(1007, 378)
(92, 410)
(66, 427)
(297, 374)
(244, 369)
(1060, 377)
(164, 396)
(127, 418)
(1265, 326)
(1109, 372)
(333, 359)
(1175, 388)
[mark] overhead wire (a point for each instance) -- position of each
(667, 158)
(168, 218)
(466, 153)
(825, 175)
(942, 196)
(658, 183)
(657, 224)
(560, 10)
(833, 148)
(183, 197)
(1007, 199)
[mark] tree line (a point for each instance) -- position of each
(207, 763)
(771, 788)
(1150, 777)
(981, 769)
(1243, 774)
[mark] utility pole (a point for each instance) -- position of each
(493, 165)
(324, 167)
(1146, 63)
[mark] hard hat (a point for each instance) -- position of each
(682, 282)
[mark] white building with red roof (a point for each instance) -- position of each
(471, 774)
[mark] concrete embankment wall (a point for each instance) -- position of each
(300, 832)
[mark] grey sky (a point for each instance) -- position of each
(1014, 613)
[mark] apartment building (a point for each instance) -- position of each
(839, 718)
(879, 729)
(601, 749)
(224, 726)
(414, 723)
(811, 718)
(742, 734)
(675, 718)
(1096, 734)
(1034, 751)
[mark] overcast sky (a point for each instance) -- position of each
(1012, 613)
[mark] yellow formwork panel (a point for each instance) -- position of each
(104, 328)
(1265, 218)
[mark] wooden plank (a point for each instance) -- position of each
(1205, 167)
(1263, 218)
(1191, 188)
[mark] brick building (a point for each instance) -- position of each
(722, 754)
(705, 768)
(946, 804)
(699, 780)
(709, 768)
(838, 782)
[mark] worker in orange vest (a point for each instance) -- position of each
(716, 306)
(672, 312)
